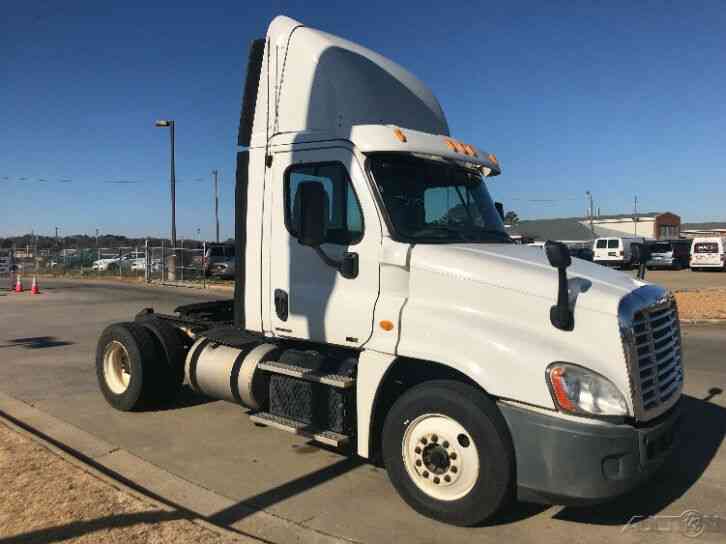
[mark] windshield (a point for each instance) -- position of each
(661, 248)
(431, 201)
(706, 247)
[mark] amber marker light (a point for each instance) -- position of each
(469, 149)
(450, 143)
(386, 325)
(557, 379)
(493, 158)
(400, 136)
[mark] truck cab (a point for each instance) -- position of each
(380, 305)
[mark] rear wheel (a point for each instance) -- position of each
(125, 360)
(448, 452)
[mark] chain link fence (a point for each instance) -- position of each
(159, 262)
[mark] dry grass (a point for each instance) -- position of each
(45, 499)
(702, 304)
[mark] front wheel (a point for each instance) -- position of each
(448, 452)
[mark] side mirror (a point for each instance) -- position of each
(310, 213)
(561, 315)
(558, 254)
(500, 209)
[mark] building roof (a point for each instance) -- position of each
(704, 226)
(569, 229)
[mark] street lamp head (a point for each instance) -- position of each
(163, 123)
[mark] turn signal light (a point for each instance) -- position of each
(400, 136)
(560, 389)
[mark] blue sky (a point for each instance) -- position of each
(621, 98)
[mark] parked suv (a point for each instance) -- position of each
(219, 260)
(669, 254)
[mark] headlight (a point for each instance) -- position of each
(580, 391)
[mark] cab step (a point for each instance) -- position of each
(299, 428)
(302, 373)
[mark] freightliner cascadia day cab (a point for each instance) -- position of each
(381, 307)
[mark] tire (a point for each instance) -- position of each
(443, 416)
(168, 376)
(131, 346)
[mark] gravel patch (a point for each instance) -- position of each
(44, 499)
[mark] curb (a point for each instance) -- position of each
(150, 483)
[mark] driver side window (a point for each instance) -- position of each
(345, 222)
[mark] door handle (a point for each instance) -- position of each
(281, 304)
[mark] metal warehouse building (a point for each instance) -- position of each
(577, 230)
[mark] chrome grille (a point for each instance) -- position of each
(652, 336)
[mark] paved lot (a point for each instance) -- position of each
(46, 350)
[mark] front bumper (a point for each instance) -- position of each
(562, 461)
(610, 262)
(661, 263)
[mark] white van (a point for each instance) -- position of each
(614, 251)
(708, 253)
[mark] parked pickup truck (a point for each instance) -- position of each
(381, 307)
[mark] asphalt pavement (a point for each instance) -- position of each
(47, 346)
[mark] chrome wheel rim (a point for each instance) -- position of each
(116, 367)
(440, 457)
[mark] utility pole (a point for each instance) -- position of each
(215, 173)
(635, 216)
(592, 227)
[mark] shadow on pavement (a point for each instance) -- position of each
(702, 429)
(263, 500)
(35, 342)
(186, 398)
(78, 529)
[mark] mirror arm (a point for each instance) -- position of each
(326, 258)
(560, 314)
(348, 272)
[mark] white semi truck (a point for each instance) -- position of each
(381, 307)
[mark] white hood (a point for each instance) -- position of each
(525, 269)
(484, 309)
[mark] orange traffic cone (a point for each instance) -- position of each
(18, 285)
(34, 290)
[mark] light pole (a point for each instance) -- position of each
(168, 123)
(215, 173)
(592, 228)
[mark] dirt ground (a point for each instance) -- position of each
(702, 304)
(46, 499)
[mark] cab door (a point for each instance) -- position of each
(309, 299)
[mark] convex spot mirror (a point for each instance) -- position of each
(310, 213)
